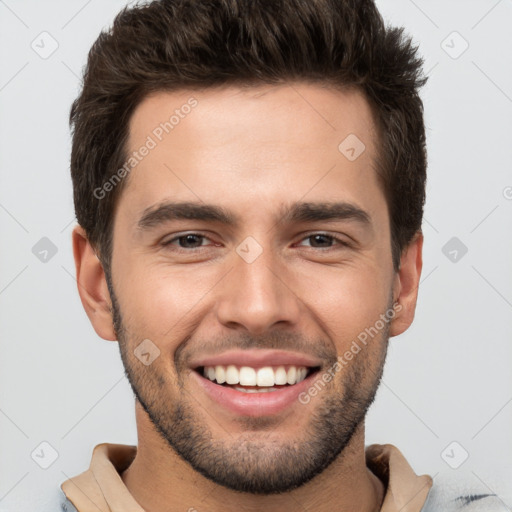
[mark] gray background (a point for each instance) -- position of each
(448, 379)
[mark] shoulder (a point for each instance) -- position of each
(458, 496)
(57, 502)
(67, 506)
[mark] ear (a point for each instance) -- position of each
(92, 285)
(406, 285)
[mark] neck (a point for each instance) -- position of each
(160, 481)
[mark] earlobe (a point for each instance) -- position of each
(92, 285)
(407, 281)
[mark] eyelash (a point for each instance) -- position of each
(340, 242)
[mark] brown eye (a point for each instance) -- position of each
(187, 241)
(320, 239)
(324, 241)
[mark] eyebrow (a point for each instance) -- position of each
(295, 213)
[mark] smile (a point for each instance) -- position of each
(255, 382)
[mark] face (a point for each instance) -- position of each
(249, 244)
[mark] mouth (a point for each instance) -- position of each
(255, 383)
(263, 379)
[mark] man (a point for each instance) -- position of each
(284, 141)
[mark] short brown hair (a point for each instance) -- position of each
(190, 44)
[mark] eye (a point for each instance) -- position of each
(187, 241)
(321, 239)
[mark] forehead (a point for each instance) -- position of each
(273, 142)
(295, 112)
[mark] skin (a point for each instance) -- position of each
(251, 151)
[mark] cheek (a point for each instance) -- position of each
(159, 303)
(347, 301)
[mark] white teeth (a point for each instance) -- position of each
(220, 374)
(251, 390)
(232, 374)
(265, 377)
(280, 376)
(247, 376)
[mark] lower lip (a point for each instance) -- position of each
(253, 404)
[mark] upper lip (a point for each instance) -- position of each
(256, 358)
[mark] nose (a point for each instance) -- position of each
(257, 295)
